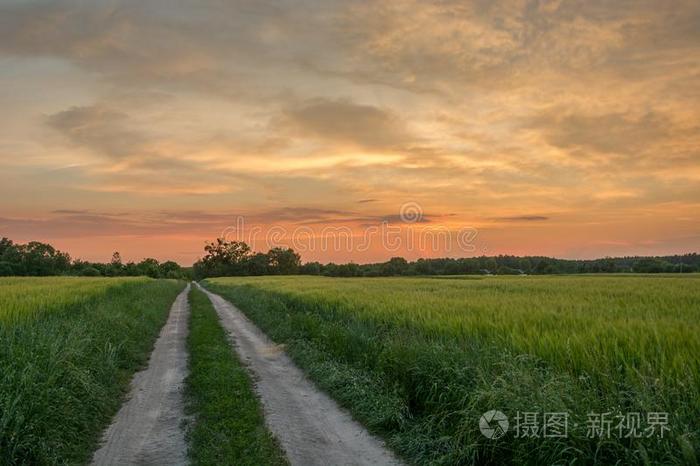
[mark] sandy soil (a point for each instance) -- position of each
(147, 429)
(311, 427)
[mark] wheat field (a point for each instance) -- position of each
(420, 359)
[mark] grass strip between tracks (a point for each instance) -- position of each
(228, 426)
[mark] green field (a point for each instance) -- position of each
(22, 298)
(68, 349)
(419, 360)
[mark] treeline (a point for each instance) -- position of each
(41, 259)
(231, 258)
(508, 265)
(226, 258)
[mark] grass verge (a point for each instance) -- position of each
(64, 373)
(228, 427)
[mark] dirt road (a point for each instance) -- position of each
(147, 429)
(311, 427)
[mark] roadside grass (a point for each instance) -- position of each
(228, 426)
(66, 362)
(418, 361)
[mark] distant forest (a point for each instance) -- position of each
(232, 258)
(41, 259)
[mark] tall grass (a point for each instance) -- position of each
(420, 359)
(68, 350)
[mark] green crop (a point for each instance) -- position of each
(420, 359)
(26, 297)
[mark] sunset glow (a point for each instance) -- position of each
(559, 128)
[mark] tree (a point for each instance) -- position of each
(524, 264)
(6, 269)
(149, 267)
(424, 267)
(505, 270)
(227, 252)
(395, 266)
(453, 268)
(284, 261)
(6, 244)
(259, 264)
(489, 264)
(652, 265)
(170, 269)
(349, 270)
(116, 258)
(115, 266)
(42, 259)
(9, 257)
(311, 268)
(131, 269)
(607, 265)
(223, 258)
(542, 267)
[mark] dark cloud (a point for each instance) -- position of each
(612, 133)
(87, 213)
(105, 131)
(393, 218)
(70, 211)
(347, 122)
(230, 49)
(522, 218)
(211, 46)
(125, 39)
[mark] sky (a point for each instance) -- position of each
(560, 128)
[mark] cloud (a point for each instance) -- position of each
(394, 218)
(612, 133)
(451, 44)
(297, 215)
(77, 226)
(343, 121)
(320, 216)
(103, 130)
(125, 40)
(70, 211)
(522, 218)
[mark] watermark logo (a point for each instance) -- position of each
(532, 424)
(411, 212)
(493, 424)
